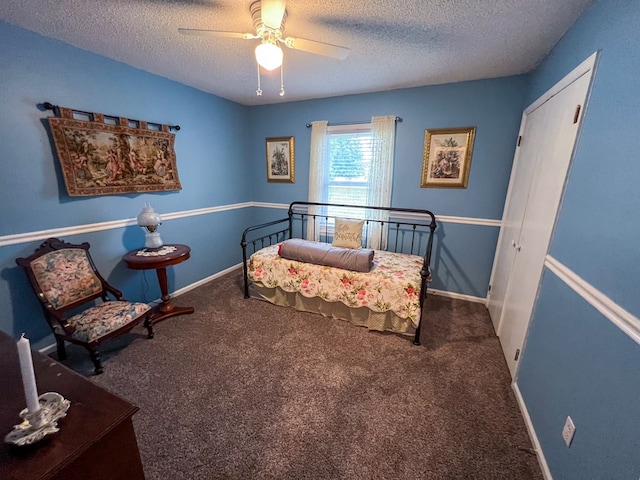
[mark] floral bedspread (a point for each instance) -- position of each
(392, 284)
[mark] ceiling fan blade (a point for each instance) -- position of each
(215, 33)
(319, 48)
(272, 12)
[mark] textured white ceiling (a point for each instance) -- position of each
(393, 43)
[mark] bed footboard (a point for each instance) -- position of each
(260, 239)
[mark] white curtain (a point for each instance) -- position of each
(318, 175)
(383, 130)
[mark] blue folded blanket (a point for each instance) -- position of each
(360, 260)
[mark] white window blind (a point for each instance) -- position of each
(350, 151)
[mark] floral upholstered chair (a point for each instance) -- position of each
(79, 305)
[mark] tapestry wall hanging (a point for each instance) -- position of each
(103, 155)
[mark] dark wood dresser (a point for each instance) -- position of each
(96, 440)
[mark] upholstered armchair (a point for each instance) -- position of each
(80, 306)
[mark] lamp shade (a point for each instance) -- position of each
(148, 217)
(268, 55)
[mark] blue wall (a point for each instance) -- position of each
(464, 253)
(210, 149)
(576, 361)
(493, 106)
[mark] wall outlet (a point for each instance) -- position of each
(568, 431)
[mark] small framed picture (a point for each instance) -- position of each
(447, 157)
(280, 160)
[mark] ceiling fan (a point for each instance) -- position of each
(269, 18)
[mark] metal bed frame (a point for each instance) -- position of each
(408, 231)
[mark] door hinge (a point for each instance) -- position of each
(577, 114)
(517, 355)
(520, 139)
(489, 291)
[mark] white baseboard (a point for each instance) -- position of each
(48, 349)
(204, 280)
(459, 296)
(532, 433)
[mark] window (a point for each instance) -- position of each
(352, 164)
(349, 164)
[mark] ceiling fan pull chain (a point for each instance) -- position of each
(281, 80)
(259, 91)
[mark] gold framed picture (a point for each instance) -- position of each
(447, 157)
(280, 159)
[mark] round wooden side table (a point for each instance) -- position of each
(159, 259)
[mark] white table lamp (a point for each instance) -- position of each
(149, 219)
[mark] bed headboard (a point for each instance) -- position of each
(407, 230)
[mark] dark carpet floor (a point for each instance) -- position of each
(243, 389)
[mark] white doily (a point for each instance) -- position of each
(156, 253)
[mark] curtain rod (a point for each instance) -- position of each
(55, 108)
(398, 119)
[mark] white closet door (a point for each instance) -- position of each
(532, 131)
(555, 151)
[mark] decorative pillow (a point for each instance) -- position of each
(348, 233)
(325, 254)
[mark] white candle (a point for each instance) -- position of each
(28, 377)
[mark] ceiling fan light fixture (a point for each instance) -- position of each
(268, 55)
